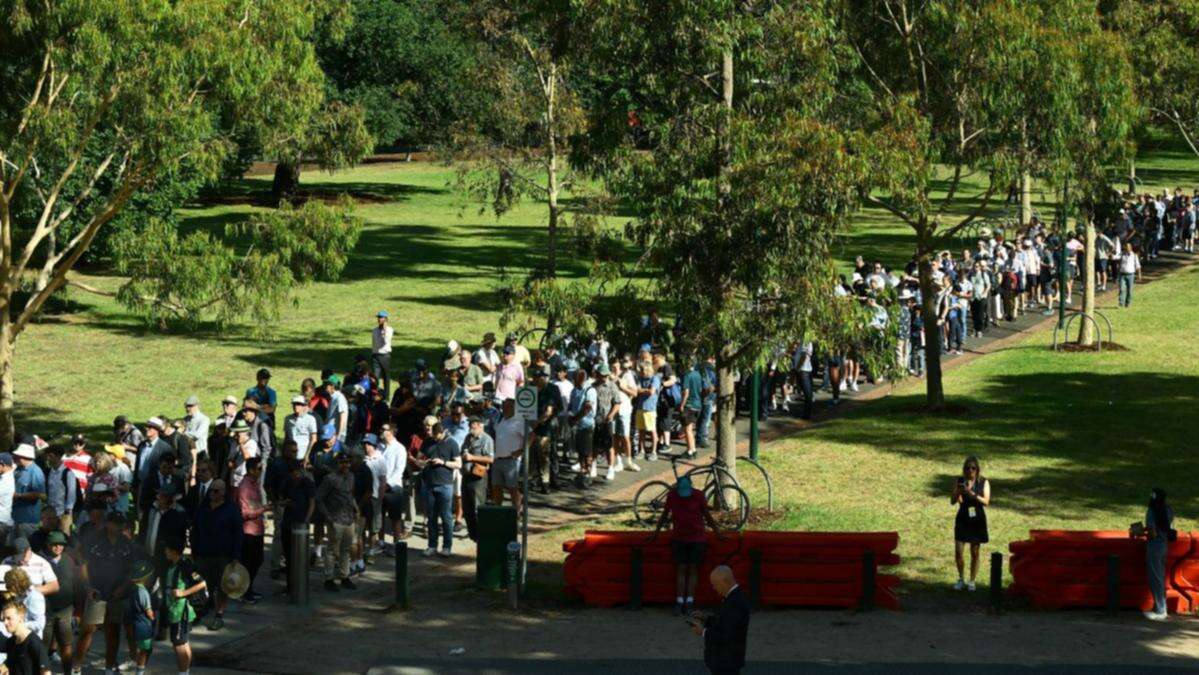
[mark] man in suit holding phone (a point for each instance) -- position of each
(725, 632)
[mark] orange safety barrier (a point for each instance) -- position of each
(811, 569)
(1063, 568)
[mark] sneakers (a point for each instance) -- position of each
(216, 623)
(619, 463)
(959, 585)
(653, 456)
(632, 466)
(576, 467)
(593, 470)
(348, 585)
(459, 526)
(445, 553)
(610, 474)
(853, 386)
(429, 552)
(128, 666)
(378, 548)
(1154, 616)
(970, 587)
(331, 585)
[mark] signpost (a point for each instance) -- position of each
(526, 409)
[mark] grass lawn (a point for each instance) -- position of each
(1072, 441)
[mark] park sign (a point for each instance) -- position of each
(526, 403)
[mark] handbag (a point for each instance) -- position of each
(478, 470)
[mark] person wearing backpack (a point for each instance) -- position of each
(668, 403)
(62, 486)
(182, 589)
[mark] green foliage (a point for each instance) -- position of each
(405, 64)
(199, 277)
(1162, 37)
(738, 208)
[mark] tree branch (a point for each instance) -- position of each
(893, 209)
(982, 206)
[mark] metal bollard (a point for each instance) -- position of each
(868, 581)
(512, 574)
(635, 579)
(755, 578)
(401, 580)
(1113, 583)
(297, 566)
(996, 581)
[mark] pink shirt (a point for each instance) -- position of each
(507, 379)
(249, 498)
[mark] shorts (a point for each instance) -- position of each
(98, 612)
(212, 568)
(647, 420)
(376, 519)
(179, 632)
(688, 552)
(834, 362)
(146, 646)
(666, 419)
(505, 473)
(584, 442)
(60, 627)
(623, 424)
(394, 503)
(602, 439)
(690, 416)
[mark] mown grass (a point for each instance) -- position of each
(428, 255)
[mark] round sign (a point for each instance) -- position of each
(526, 397)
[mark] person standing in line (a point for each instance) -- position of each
(251, 502)
(335, 501)
(1129, 268)
(395, 459)
(30, 488)
(1159, 532)
(439, 457)
(301, 427)
(24, 650)
(971, 494)
(266, 397)
(509, 448)
(197, 427)
(216, 538)
(726, 632)
(692, 404)
(60, 606)
(62, 489)
(622, 431)
(180, 582)
(478, 453)
(381, 336)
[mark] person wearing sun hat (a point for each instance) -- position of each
(244, 448)
(150, 450)
(29, 483)
(301, 427)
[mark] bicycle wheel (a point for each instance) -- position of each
(704, 476)
(649, 502)
(729, 506)
(752, 477)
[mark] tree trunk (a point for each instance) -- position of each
(1132, 175)
(934, 393)
(6, 385)
(287, 181)
(1025, 198)
(726, 413)
(553, 186)
(1086, 332)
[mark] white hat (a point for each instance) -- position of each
(906, 295)
(299, 400)
(25, 450)
(155, 422)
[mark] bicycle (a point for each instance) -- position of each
(727, 502)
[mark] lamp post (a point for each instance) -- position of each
(754, 403)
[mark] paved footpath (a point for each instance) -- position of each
(357, 632)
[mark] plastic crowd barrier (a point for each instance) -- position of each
(809, 569)
(1062, 568)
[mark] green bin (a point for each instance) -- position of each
(497, 527)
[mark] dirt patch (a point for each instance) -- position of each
(1074, 347)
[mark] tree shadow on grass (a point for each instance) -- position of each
(1110, 438)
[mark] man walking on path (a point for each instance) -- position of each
(1129, 267)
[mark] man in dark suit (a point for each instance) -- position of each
(725, 632)
(163, 475)
(162, 522)
(197, 493)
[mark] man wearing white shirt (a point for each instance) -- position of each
(300, 426)
(8, 488)
(487, 358)
(197, 424)
(509, 448)
(395, 462)
(381, 345)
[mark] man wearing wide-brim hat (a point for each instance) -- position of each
(245, 447)
(29, 485)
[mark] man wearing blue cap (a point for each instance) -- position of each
(381, 346)
(687, 511)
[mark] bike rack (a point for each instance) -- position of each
(769, 485)
(1074, 314)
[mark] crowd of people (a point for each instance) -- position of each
(136, 534)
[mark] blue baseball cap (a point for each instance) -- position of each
(329, 431)
(647, 347)
(371, 439)
(6, 459)
(382, 314)
(684, 487)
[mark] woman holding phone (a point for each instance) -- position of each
(971, 494)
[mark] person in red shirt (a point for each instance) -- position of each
(687, 511)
